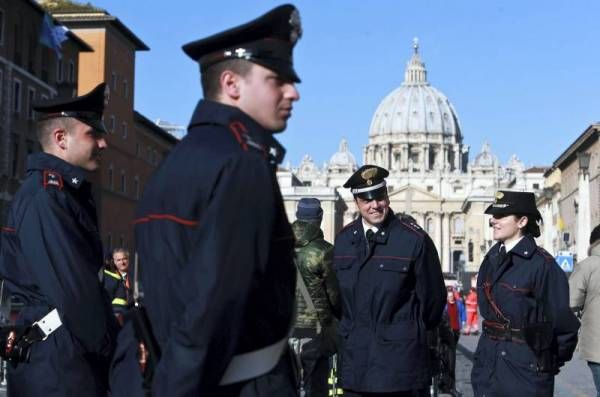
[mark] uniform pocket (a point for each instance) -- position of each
(387, 264)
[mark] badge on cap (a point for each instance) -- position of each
(368, 174)
(296, 24)
(499, 196)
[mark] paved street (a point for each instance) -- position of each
(574, 379)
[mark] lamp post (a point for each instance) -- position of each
(583, 207)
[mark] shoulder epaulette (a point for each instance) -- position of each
(239, 131)
(347, 226)
(545, 254)
(413, 227)
(52, 178)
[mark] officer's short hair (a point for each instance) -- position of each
(122, 251)
(211, 86)
(45, 128)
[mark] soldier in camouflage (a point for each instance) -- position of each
(317, 299)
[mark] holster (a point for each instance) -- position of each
(540, 339)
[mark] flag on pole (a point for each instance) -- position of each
(52, 36)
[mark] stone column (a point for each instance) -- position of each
(583, 216)
(425, 157)
(437, 235)
(444, 158)
(404, 158)
(446, 260)
(386, 156)
(456, 157)
(366, 154)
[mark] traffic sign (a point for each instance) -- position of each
(565, 261)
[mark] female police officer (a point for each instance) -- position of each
(523, 295)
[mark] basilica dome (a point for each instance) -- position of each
(343, 160)
(415, 106)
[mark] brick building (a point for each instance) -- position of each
(28, 71)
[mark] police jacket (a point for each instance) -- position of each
(314, 259)
(116, 290)
(50, 257)
(527, 287)
(216, 250)
(391, 293)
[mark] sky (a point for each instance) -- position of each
(522, 75)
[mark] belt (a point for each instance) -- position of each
(503, 331)
(253, 364)
(41, 329)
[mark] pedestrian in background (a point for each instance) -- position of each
(472, 318)
(449, 336)
(392, 291)
(116, 282)
(584, 286)
(529, 330)
(314, 336)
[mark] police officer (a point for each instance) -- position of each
(392, 291)
(51, 254)
(529, 331)
(215, 244)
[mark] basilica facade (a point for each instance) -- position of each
(415, 133)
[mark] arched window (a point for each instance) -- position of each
(458, 226)
(430, 226)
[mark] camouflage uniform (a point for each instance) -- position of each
(313, 259)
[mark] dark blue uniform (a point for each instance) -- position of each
(391, 294)
(50, 257)
(527, 287)
(216, 255)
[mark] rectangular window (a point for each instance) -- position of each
(30, 99)
(71, 72)
(113, 81)
(15, 157)
(59, 70)
(136, 187)
(124, 127)
(31, 58)
(137, 149)
(111, 124)
(45, 62)
(1, 27)
(110, 177)
(123, 182)
(125, 89)
(17, 96)
(17, 46)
